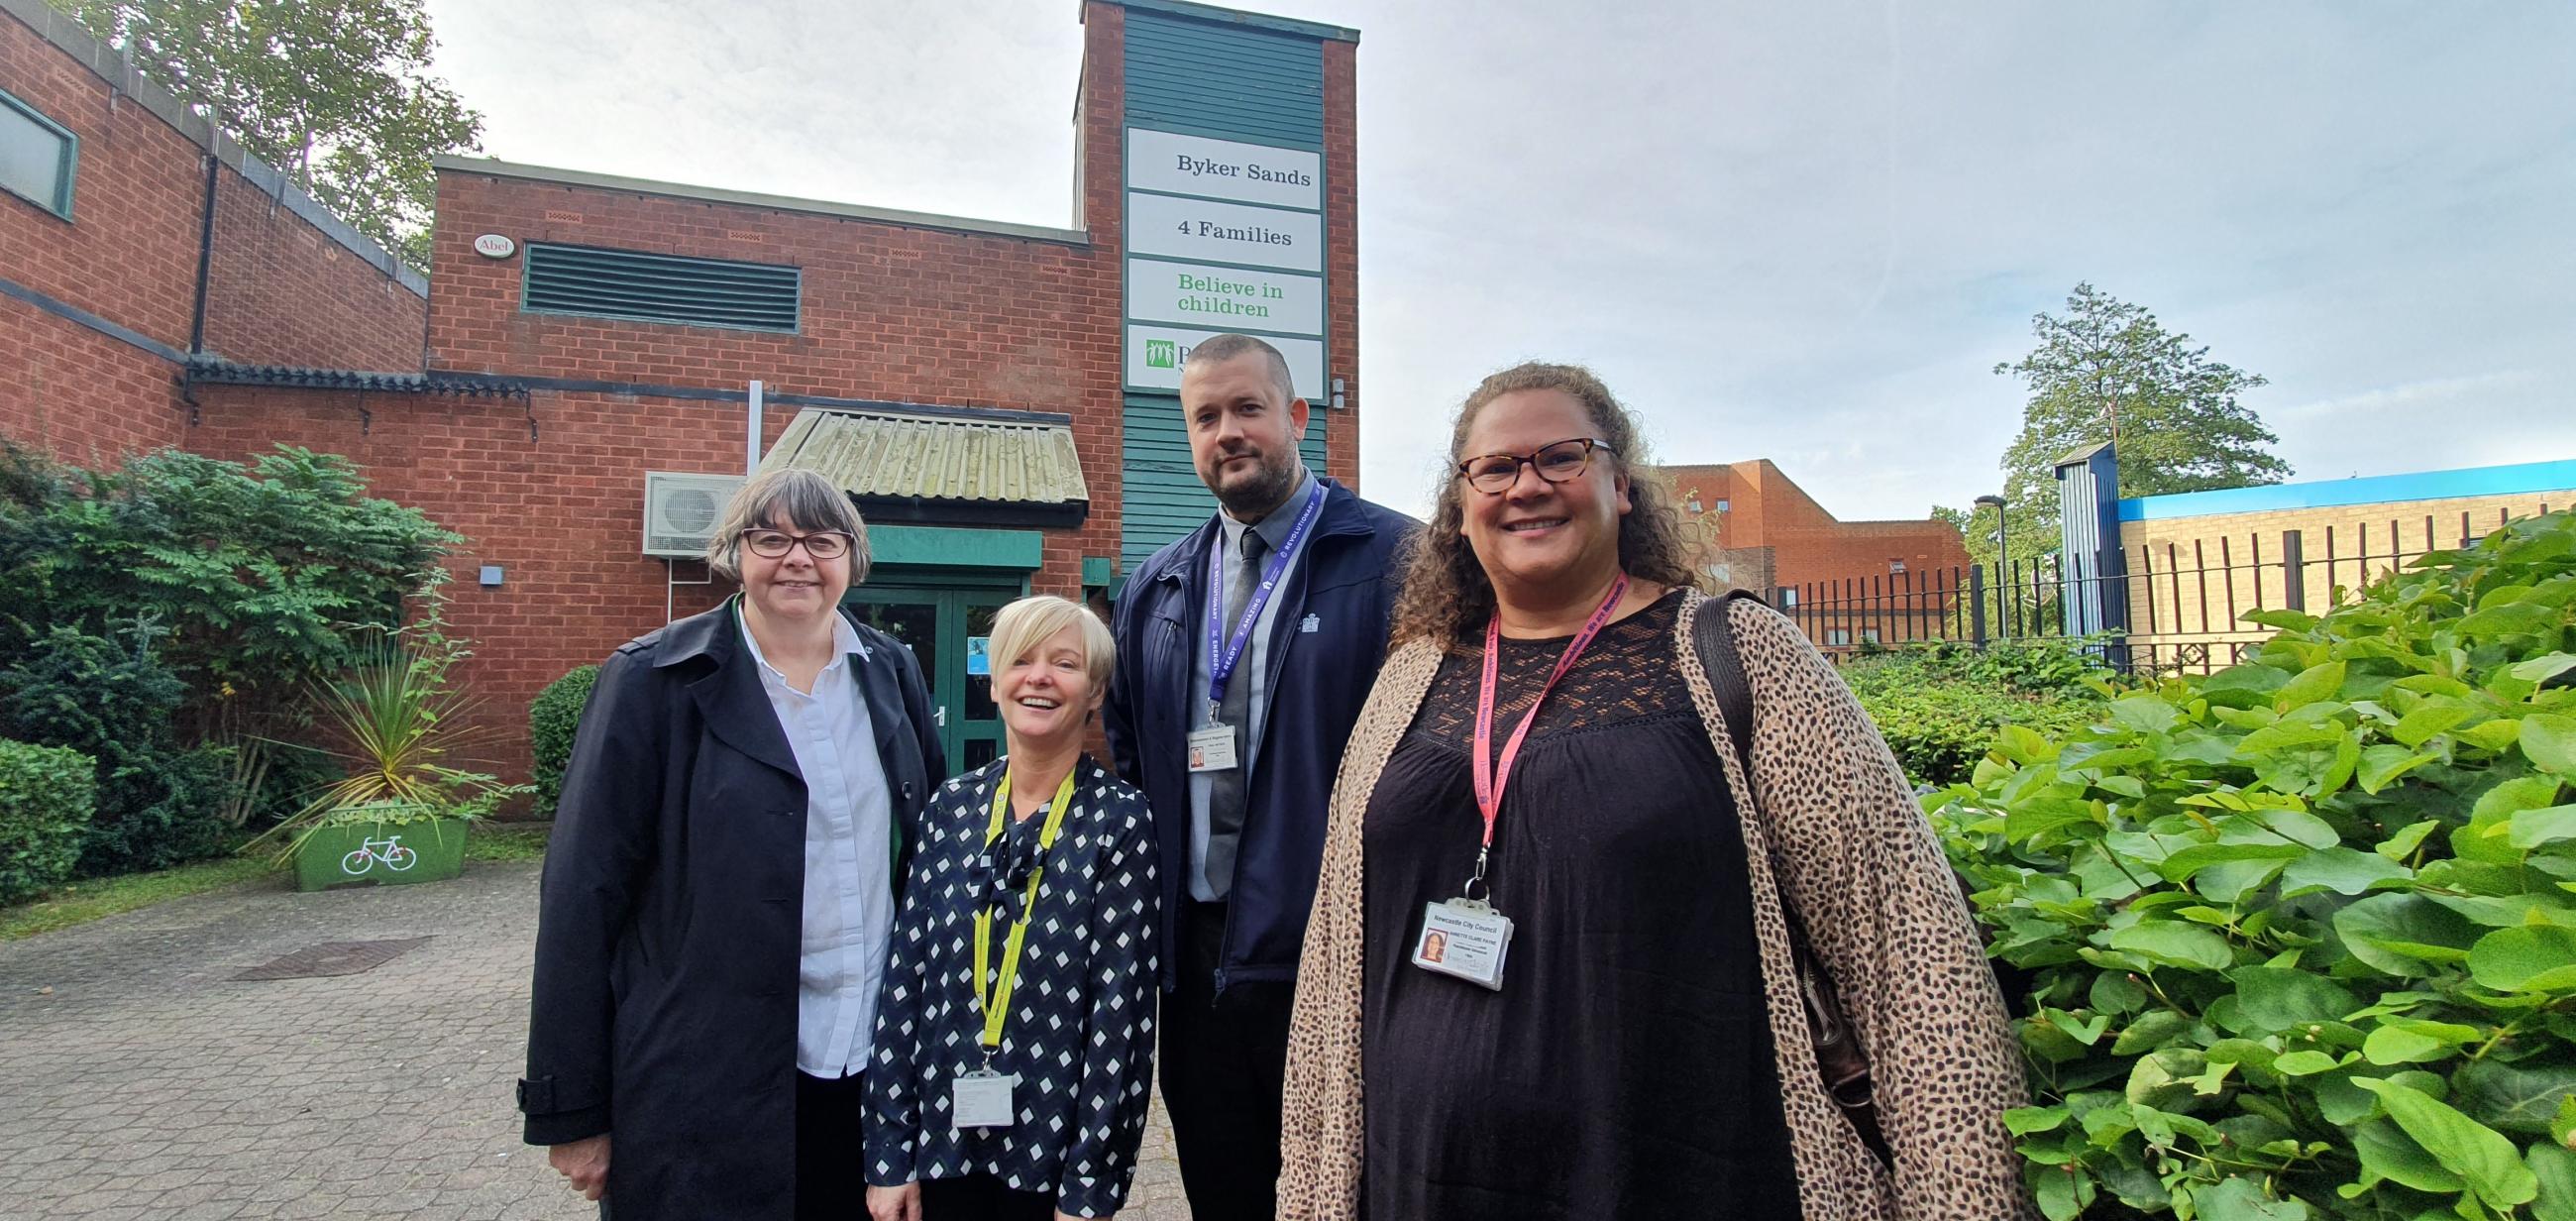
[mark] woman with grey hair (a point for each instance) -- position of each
(743, 794)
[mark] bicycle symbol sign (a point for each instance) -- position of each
(388, 851)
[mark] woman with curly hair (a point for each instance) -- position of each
(1543, 785)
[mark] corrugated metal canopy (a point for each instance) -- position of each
(898, 457)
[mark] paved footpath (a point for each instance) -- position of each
(138, 1078)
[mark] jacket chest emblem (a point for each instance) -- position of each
(1310, 624)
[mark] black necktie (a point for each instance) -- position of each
(1225, 788)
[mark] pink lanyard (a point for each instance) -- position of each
(1490, 779)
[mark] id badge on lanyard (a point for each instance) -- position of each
(1464, 937)
(1215, 746)
(979, 1097)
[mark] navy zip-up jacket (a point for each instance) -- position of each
(1346, 583)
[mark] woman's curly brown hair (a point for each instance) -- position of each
(1447, 596)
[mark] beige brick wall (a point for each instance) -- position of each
(2191, 577)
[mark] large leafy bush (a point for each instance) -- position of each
(553, 717)
(1939, 705)
(262, 581)
(2302, 932)
(46, 796)
(114, 702)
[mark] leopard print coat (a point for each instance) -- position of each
(1834, 828)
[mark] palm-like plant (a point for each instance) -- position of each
(393, 720)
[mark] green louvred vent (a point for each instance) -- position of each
(660, 288)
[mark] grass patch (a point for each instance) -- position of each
(94, 898)
(498, 841)
(90, 899)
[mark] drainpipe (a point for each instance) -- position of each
(205, 264)
(751, 444)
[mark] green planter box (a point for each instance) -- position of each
(390, 854)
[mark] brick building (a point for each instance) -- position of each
(1757, 529)
(2190, 565)
(998, 398)
(134, 235)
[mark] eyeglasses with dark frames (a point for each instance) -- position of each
(1494, 474)
(775, 544)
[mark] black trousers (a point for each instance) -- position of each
(981, 1197)
(1224, 1070)
(831, 1178)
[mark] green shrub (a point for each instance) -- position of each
(1939, 705)
(112, 700)
(263, 580)
(2301, 933)
(47, 794)
(552, 718)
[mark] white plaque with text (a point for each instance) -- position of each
(1227, 298)
(1224, 232)
(1155, 355)
(1224, 169)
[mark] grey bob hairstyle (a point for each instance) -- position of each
(789, 499)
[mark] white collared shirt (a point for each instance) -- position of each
(849, 857)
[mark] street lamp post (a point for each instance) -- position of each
(2003, 556)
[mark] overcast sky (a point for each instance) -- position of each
(1804, 232)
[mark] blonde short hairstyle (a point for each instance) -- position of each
(790, 497)
(1026, 624)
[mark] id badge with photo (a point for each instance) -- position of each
(1465, 938)
(982, 1099)
(1212, 749)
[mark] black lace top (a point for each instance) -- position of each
(1625, 1069)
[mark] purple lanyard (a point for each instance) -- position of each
(1223, 655)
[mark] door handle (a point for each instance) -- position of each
(939, 716)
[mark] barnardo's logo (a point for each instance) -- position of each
(1162, 354)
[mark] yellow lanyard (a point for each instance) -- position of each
(996, 1005)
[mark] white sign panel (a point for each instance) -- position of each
(1223, 169)
(1225, 297)
(1224, 232)
(1155, 355)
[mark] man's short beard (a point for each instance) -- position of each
(1253, 499)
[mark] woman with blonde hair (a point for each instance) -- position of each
(1015, 1040)
(1626, 908)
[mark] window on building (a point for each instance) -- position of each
(1837, 636)
(37, 157)
(1895, 567)
(1788, 596)
(1869, 635)
(660, 288)
(1722, 506)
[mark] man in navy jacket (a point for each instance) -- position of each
(1233, 726)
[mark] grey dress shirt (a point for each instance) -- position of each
(1254, 668)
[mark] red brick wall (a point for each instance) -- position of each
(79, 395)
(1342, 255)
(282, 292)
(129, 253)
(888, 312)
(1766, 512)
(562, 515)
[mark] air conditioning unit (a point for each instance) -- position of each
(680, 511)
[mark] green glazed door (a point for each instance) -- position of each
(946, 626)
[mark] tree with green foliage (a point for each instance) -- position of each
(2106, 370)
(183, 601)
(337, 94)
(2300, 933)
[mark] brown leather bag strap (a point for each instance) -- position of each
(1838, 1053)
